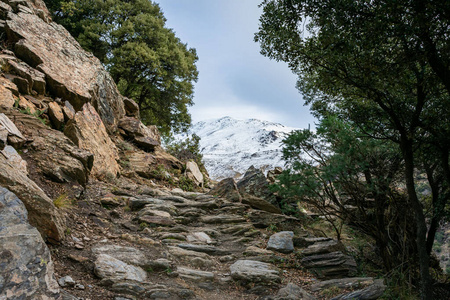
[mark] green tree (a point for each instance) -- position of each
(374, 62)
(144, 57)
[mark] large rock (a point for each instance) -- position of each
(7, 99)
(255, 183)
(323, 247)
(249, 271)
(26, 270)
(114, 270)
(227, 189)
(14, 136)
(330, 265)
(293, 292)
(15, 159)
(131, 108)
(36, 79)
(42, 213)
(140, 134)
(128, 255)
(194, 173)
(371, 292)
(260, 203)
(71, 73)
(281, 242)
(52, 154)
(87, 131)
(343, 283)
(56, 114)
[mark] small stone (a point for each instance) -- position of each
(79, 286)
(66, 281)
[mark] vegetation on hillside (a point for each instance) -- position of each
(377, 75)
(144, 57)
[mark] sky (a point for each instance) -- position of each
(234, 78)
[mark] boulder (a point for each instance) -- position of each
(260, 203)
(7, 84)
(249, 271)
(343, 283)
(140, 134)
(254, 183)
(128, 255)
(195, 275)
(42, 213)
(3, 137)
(131, 108)
(87, 131)
(56, 114)
(281, 242)
(71, 72)
(27, 106)
(323, 247)
(114, 270)
(53, 154)
(330, 265)
(193, 170)
(227, 189)
(26, 266)
(68, 111)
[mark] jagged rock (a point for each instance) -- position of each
(71, 72)
(68, 111)
(195, 275)
(199, 237)
(139, 203)
(281, 242)
(149, 211)
(128, 287)
(156, 220)
(255, 272)
(342, 283)
(131, 108)
(183, 253)
(323, 247)
(36, 79)
(196, 175)
(260, 203)
(293, 292)
(15, 159)
(160, 264)
(114, 270)
(128, 255)
(41, 211)
(227, 189)
(371, 292)
(255, 251)
(7, 84)
(87, 131)
(22, 84)
(262, 219)
(142, 136)
(255, 183)
(330, 265)
(26, 105)
(3, 137)
(7, 99)
(26, 266)
(56, 114)
(15, 137)
(55, 156)
(303, 242)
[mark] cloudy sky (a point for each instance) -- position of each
(235, 79)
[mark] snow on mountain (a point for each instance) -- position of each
(230, 146)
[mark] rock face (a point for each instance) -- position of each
(87, 131)
(55, 155)
(41, 211)
(71, 73)
(227, 189)
(140, 134)
(255, 183)
(26, 267)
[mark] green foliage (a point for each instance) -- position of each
(144, 57)
(184, 150)
(186, 184)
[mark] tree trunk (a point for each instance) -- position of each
(421, 231)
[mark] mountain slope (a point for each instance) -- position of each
(230, 146)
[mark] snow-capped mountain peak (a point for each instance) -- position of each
(231, 146)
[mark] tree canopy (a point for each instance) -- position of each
(145, 58)
(383, 66)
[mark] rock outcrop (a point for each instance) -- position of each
(26, 266)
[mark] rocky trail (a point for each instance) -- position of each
(149, 243)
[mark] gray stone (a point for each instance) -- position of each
(26, 268)
(323, 247)
(222, 219)
(330, 265)
(15, 137)
(139, 203)
(128, 255)
(371, 292)
(255, 272)
(199, 237)
(227, 189)
(192, 168)
(15, 159)
(293, 292)
(66, 281)
(195, 275)
(114, 270)
(183, 253)
(281, 242)
(343, 283)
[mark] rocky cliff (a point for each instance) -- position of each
(88, 208)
